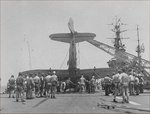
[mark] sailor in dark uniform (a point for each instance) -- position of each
(20, 88)
(42, 85)
(107, 81)
(11, 86)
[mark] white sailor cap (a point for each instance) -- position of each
(54, 72)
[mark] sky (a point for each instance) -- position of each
(26, 25)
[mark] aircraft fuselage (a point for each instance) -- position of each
(72, 38)
(72, 62)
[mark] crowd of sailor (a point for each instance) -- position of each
(32, 85)
(123, 83)
(37, 85)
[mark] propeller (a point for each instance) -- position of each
(71, 25)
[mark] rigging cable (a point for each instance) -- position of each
(64, 59)
(78, 56)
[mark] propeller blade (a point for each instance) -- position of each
(71, 25)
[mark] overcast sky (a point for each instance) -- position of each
(33, 22)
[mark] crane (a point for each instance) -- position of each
(119, 53)
(128, 58)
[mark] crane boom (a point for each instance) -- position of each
(122, 55)
(108, 49)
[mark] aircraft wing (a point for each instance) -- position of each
(62, 37)
(67, 37)
(80, 37)
(88, 73)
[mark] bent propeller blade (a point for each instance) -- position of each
(71, 25)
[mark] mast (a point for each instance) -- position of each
(117, 30)
(119, 47)
(138, 48)
(30, 64)
(29, 52)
